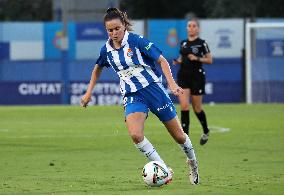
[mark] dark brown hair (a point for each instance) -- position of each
(114, 13)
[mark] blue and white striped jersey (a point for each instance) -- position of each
(134, 62)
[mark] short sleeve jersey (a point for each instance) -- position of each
(134, 62)
(198, 47)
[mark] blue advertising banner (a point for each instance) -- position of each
(270, 48)
(220, 92)
(89, 49)
(223, 91)
(268, 91)
(21, 31)
(167, 35)
(4, 50)
(32, 93)
(53, 37)
(91, 31)
(105, 93)
(1, 32)
(20, 93)
(224, 36)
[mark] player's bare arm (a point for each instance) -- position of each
(87, 96)
(176, 90)
(206, 59)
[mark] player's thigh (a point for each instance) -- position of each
(136, 112)
(174, 128)
(135, 125)
(135, 121)
(184, 99)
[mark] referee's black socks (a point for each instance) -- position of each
(185, 121)
(202, 118)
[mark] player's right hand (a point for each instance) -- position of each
(85, 100)
(192, 57)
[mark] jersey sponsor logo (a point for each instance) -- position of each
(129, 53)
(130, 72)
(164, 107)
(149, 46)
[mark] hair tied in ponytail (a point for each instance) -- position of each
(111, 9)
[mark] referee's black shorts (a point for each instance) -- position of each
(195, 81)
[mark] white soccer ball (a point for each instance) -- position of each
(156, 174)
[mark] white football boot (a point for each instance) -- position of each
(170, 177)
(193, 173)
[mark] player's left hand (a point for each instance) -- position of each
(85, 100)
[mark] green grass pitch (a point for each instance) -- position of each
(71, 150)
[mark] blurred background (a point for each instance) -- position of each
(48, 48)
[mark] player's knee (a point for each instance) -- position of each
(181, 140)
(180, 137)
(197, 108)
(136, 137)
(184, 106)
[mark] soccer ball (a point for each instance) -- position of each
(156, 174)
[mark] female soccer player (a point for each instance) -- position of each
(133, 59)
(191, 77)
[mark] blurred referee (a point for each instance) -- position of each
(191, 77)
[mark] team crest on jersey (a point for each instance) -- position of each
(194, 50)
(129, 53)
